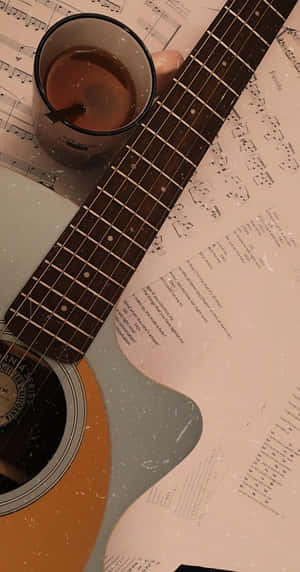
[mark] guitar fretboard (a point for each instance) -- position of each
(63, 305)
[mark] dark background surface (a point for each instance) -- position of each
(184, 568)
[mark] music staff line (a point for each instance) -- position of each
(21, 49)
(15, 72)
(66, 9)
(9, 127)
(26, 18)
(112, 6)
(161, 19)
(161, 13)
(10, 100)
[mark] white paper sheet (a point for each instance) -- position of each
(213, 311)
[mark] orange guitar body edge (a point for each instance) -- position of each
(62, 526)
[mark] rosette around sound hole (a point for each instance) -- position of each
(33, 414)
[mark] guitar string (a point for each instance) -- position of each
(91, 306)
(57, 333)
(79, 247)
(140, 182)
(27, 352)
(60, 249)
(28, 349)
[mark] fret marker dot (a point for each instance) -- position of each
(64, 308)
(163, 189)
(110, 238)
(224, 63)
(86, 274)
(193, 111)
(257, 13)
(133, 166)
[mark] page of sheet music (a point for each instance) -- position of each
(213, 311)
(161, 24)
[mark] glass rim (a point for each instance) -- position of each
(85, 15)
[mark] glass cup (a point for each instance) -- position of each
(87, 34)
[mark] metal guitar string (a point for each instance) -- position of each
(140, 182)
(111, 223)
(151, 140)
(60, 249)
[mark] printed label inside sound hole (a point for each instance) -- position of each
(33, 415)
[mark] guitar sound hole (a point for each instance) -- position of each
(33, 414)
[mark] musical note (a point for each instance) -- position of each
(112, 6)
(238, 190)
(201, 195)
(180, 222)
(10, 100)
(289, 48)
(21, 49)
(21, 133)
(260, 174)
(154, 6)
(158, 24)
(157, 246)
(220, 159)
(29, 21)
(14, 72)
(36, 24)
(257, 100)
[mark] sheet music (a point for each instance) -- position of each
(213, 311)
(161, 24)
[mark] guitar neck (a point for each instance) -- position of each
(64, 304)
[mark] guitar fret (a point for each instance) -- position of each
(38, 280)
(186, 88)
(212, 35)
(44, 329)
(106, 192)
(75, 228)
(61, 245)
(224, 63)
(150, 163)
(53, 313)
(274, 9)
(74, 288)
(165, 142)
(121, 246)
(265, 21)
(239, 37)
(283, 7)
(89, 263)
(138, 164)
(183, 121)
(67, 299)
(197, 98)
(93, 267)
(252, 30)
(191, 146)
(142, 188)
(202, 65)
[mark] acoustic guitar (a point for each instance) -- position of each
(76, 419)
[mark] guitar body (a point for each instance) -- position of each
(107, 410)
